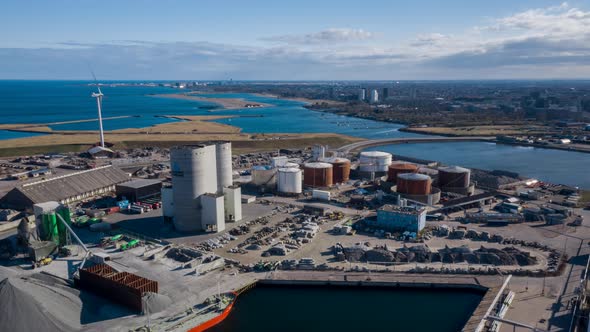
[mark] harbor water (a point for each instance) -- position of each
(321, 309)
(555, 166)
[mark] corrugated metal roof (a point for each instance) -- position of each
(70, 185)
(139, 183)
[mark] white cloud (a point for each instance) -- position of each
(533, 43)
(329, 36)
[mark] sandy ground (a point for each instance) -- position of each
(226, 103)
(305, 100)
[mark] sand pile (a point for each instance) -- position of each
(154, 302)
(29, 304)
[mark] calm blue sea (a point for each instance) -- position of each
(56, 101)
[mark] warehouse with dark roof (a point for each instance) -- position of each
(65, 189)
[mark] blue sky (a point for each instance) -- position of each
(316, 40)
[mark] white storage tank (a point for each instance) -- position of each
(374, 161)
(290, 165)
(289, 180)
(224, 165)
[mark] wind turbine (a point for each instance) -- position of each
(98, 97)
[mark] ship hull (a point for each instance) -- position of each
(215, 320)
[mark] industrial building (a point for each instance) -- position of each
(139, 189)
(203, 196)
(264, 177)
(401, 218)
(65, 189)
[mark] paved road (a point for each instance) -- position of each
(375, 142)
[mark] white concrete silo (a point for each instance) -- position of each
(224, 165)
(289, 180)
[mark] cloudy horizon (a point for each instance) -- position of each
(539, 42)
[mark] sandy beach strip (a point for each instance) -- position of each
(225, 103)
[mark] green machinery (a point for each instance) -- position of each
(53, 230)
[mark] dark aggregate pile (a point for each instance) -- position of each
(423, 254)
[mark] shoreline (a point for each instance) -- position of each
(224, 103)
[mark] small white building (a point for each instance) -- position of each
(212, 213)
(232, 203)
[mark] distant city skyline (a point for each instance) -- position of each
(303, 40)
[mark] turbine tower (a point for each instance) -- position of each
(98, 97)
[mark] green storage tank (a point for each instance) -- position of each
(64, 212)
(50, 226)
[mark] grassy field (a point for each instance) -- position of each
(241, 143)
(483, 130)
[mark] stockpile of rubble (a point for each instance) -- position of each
(183, 255)
(423, 254)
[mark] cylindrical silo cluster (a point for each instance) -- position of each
(453, 177)
(318, 174)
(414, 184)
(374, 161)
(289, 180)
(194, 173)
(400, 168)
(340, 169)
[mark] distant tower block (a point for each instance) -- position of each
(363, 94)
(374, 96)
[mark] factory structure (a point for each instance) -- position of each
(422, 185)
(202, 196)
(65, 189)
(401, 218)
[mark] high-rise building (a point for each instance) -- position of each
(385, 94)
(202, 186)
(374, 96)
(363, 94)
